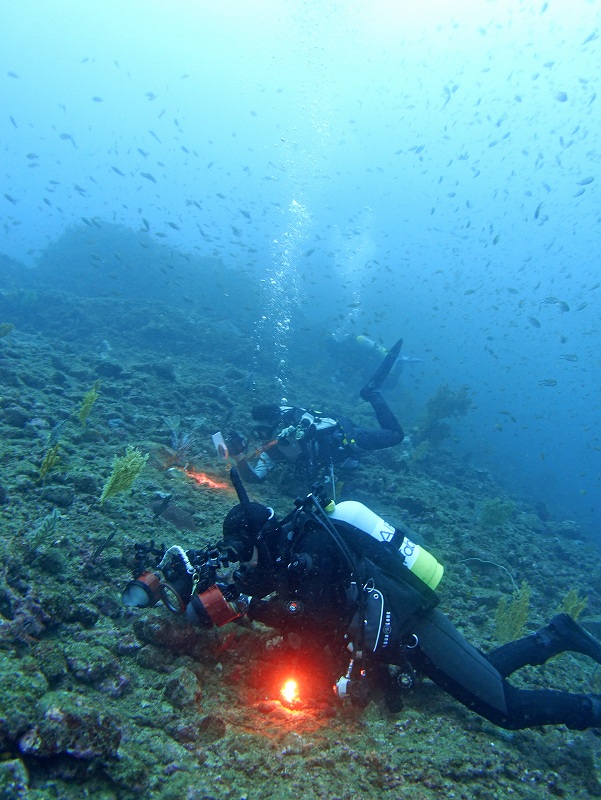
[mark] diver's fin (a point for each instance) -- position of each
(573, 637)
(380, 375)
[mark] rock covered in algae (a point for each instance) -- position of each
(82, 733)
(22, 687)
(14, 780)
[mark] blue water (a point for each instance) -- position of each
(429, 170)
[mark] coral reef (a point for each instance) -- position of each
(111, 703)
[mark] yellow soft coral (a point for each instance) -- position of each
(125, 470)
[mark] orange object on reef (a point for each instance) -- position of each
(205, 480)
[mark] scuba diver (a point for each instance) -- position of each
(354, 355)
(342, 575)
(311, 441)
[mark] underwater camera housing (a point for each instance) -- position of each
(174, 590)
(214, 607)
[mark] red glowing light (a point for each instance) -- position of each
(289, 691)
(202, 479)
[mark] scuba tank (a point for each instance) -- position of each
(417, 559)
(369, 344)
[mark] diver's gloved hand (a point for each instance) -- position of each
(303, 427)
(286, 432)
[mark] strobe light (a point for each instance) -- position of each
(144, 592)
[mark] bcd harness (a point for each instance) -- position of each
(384, 595)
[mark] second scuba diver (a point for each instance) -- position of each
(312, 442)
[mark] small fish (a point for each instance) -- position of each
(12, 74)
(569, 357)
(548, 382)
(66, 137)
(118, 171)
(562, 306)
(309, 252)
(173, 225)
(12, 119)
(56, 432)
(534, 321)
(11, 199)
(160, 504)
(537, 212)
(244, 213)
(581, 306)
(561, 96)
(148, 176)
(585, 181)
(142, 152)
(97, 99)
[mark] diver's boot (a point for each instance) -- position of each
(564, 633)
(380, 375)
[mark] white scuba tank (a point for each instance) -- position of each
(417, 559)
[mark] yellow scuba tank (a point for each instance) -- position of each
(417, 559)
(369, 344)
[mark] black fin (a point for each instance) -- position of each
(380, 375)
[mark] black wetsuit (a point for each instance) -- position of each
(352, 588)
(326, 442)
(311, 441)
(389, 434)
(479, 681)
